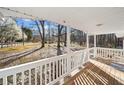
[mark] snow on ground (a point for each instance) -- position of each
(46, 52)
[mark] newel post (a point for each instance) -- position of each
(88, 46)
(123, 43)
(94, 46)
(68, 47)
(68, 54)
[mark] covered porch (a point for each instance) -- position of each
(90, 66)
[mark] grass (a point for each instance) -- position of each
(19, 48)
(29, 46)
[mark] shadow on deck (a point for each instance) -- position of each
(92, 75)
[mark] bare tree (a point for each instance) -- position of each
(60, 27)
(43, 32)
(65, 41)
(39, 33)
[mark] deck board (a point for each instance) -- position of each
(92, 75)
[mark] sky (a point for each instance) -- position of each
(28, 23)
(25, 22)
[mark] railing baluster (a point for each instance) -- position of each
(23, 78)
(60, 63)
(101, 52)
(67, 66)
(53, 74)
(56, 69)
(14, 79)
(122, 53)
(104, 53)
(107, 53)
(41, 75)
(36, 76)
(50, 72)
(110, 54)
(63, 66)
(45, 72)
(5, 80)
(29, 76)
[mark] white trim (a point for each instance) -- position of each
(88, 45)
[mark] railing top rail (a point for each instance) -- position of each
(30, 65)
(110, 49)
(42, 61)
(50, 69)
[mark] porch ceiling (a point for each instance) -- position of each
(92, 20)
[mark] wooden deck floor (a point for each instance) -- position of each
(92, 75)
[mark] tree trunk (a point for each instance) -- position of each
(59, 52)
(43, 34)
(65, 37)
(1, 43)
(39, 33)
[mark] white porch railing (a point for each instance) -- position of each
(45, 71)
(91, 52)
(115, 55)
(51, 70)
(109, 53)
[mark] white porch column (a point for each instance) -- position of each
(123, 43)
(68, 39)
(94, 45)
(88, 45)
(68, 55)
(68, 48)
